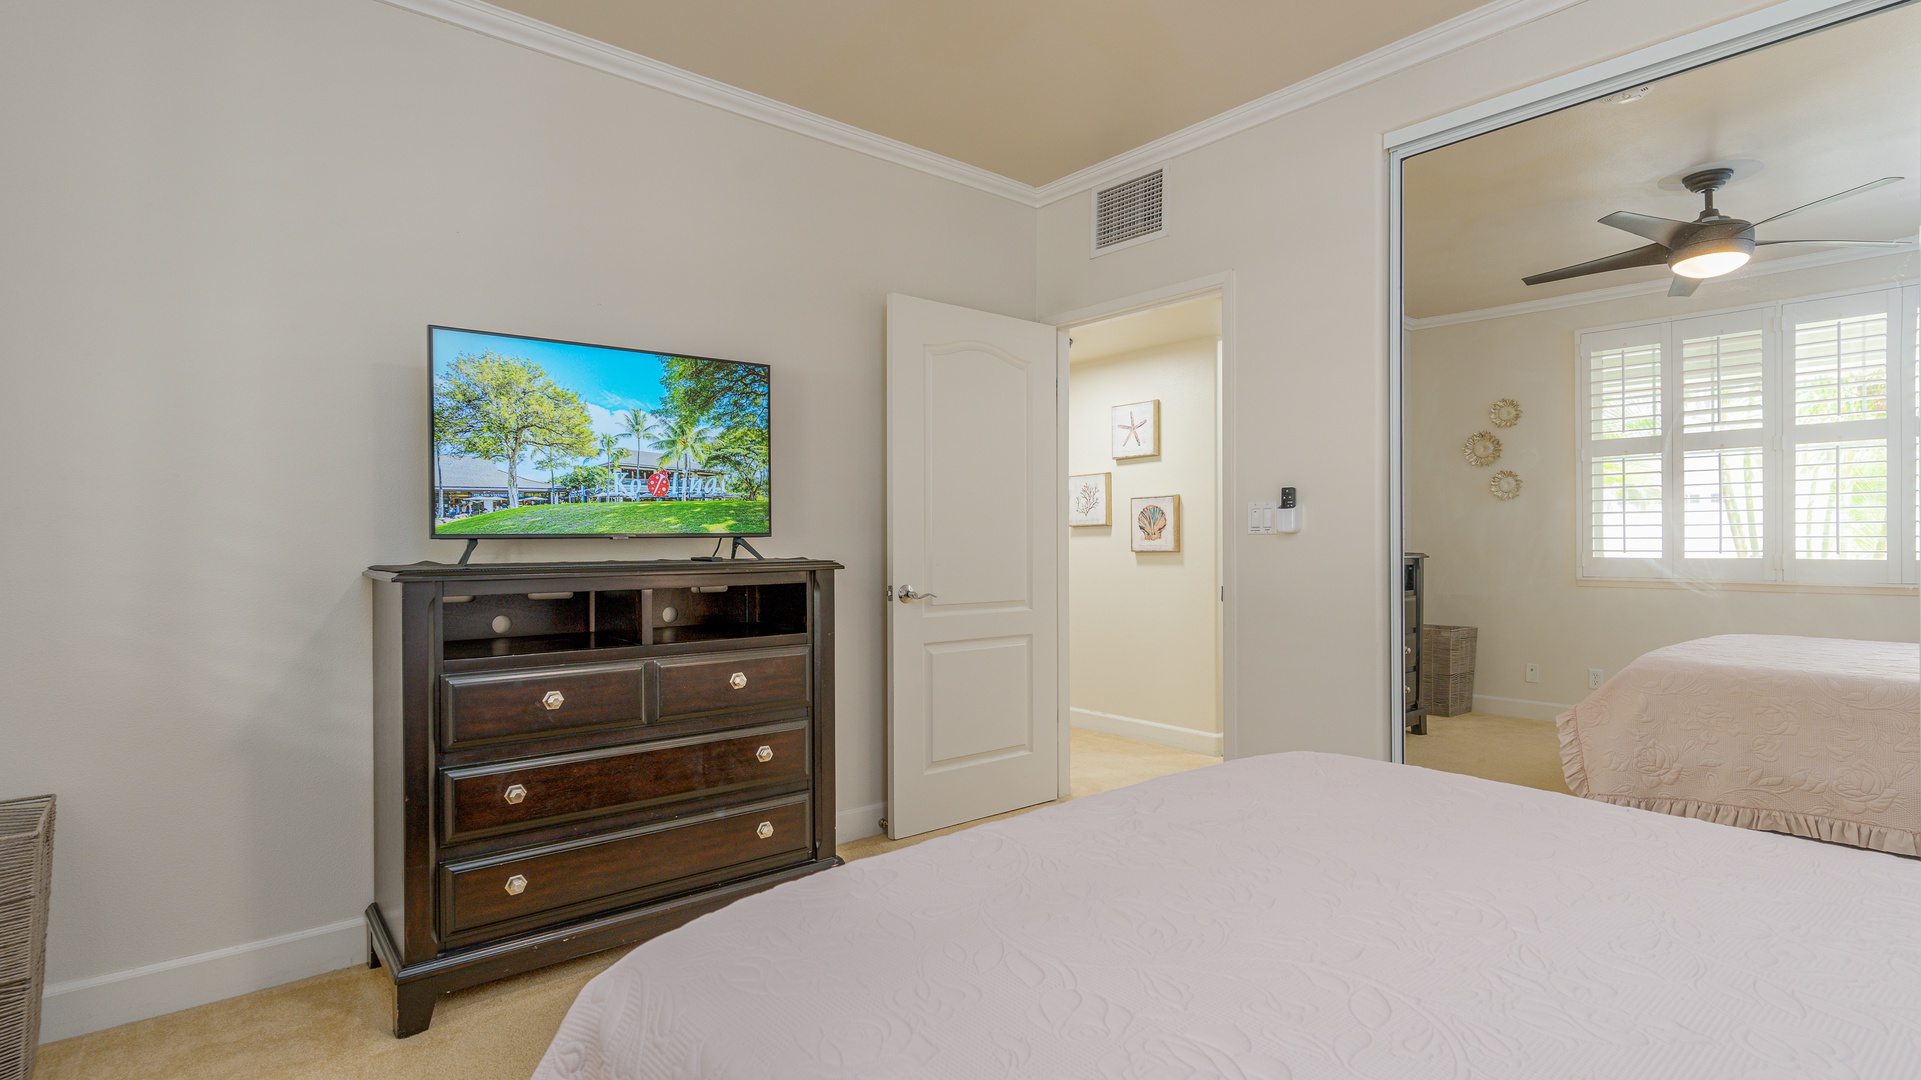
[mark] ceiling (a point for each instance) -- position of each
(1184, 320)
(1799, 120)
(1030, 89)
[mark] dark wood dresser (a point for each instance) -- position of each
(1413, 612)
(574, 756)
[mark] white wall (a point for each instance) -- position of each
(1509, 567)
(1143, 658)
(1296, 210)
(227, 225)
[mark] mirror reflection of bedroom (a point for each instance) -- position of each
(1662, 444)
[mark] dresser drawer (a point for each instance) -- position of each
(516, 704)
(604, 869)
(518, 794)
(699, 685)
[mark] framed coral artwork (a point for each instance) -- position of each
(1155, 523)
(1087, 499)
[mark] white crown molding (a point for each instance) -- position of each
(1643, 288)
(1486, 21)
(517, 29)
(1459, 32)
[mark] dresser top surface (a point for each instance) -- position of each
(433, 571)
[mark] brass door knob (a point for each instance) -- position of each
(766, 830)
(739, 681)
(516, 794)
(765, 753)
(553, 699)
(516, 885)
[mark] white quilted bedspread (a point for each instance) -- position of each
(1292, 916)
(1818, 737)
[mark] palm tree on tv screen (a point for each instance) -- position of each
(685, 441)
(609, 444)
(640, 425)
(552, 459)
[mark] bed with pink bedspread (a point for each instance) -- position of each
(1817, 737)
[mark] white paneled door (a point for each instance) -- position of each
(974, 526)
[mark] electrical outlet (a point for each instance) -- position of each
(1594, 678)
(1534, 673)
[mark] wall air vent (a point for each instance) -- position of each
(1129, 212)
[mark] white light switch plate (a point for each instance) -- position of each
(1260, 517)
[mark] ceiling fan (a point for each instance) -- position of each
(1709, 246)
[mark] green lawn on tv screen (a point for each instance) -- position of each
(725, 516)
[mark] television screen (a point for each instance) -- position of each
(533, 437)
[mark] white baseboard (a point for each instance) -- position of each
(859, 822)
(1151, 731)
(121, 997)
(1519, 708)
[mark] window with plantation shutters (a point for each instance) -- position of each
(1722, 363)
(1762, 444)
(1841, 355)
(1625, 414)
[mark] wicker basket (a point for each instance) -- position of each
(1447, 669)
(26, 866)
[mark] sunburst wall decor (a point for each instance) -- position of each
(1481, 449)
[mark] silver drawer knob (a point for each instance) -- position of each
(516, 794)
(516, 885)
(553, 699)
(765, 753)
(738, 681)
(766, 830)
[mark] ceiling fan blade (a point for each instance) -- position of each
(1651, 255)
(1683, 286)
(1840, 243)
(1661, 230)
(1853, 191)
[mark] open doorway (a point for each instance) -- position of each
(960, 383)
(1144, 546)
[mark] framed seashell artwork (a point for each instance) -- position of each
(1155, 523)
(1087, 499)
(1481, 449)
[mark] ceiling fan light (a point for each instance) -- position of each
(1711, 258)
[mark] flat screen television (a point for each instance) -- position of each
(535, 437)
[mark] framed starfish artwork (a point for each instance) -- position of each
(1137, 430)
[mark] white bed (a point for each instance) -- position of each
(1293, 916)
(1819, 737)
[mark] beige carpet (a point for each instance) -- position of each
(335, 1026)
(1524, 752)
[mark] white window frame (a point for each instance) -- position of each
(1778, 436)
